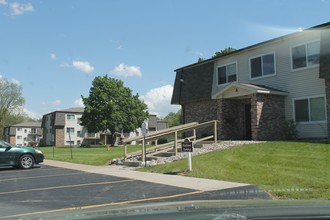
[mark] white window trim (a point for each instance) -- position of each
(69, 119)
(266, 76)
(70, 130)
(309, 110)
(306, 67)
(222, 65)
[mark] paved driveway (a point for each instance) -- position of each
(48, 190)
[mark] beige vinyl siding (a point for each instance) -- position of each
(300, 83)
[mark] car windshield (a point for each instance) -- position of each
(6, 144)
(129, 107)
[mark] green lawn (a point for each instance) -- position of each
(96, 155)
(285, 169)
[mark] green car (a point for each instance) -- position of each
(19, 157)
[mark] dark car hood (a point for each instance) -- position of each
(207, 210)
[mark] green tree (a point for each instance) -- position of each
(173, 119)
(112, 107)
(200, 59)
(223, 52)
(11, 101)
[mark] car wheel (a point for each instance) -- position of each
(26, 161)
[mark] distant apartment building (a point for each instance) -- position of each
(23, 134)
(62, 128)
(151, 124)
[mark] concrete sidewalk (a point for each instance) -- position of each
(171, 180)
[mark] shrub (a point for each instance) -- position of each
(289, 130)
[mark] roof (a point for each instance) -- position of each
(255, 45)
(12, 128)
(235, 89)
(69, 110)
(73, 110)
(27, 124)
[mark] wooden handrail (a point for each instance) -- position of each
(171, 131)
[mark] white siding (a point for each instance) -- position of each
(299, 83)
(72, 123)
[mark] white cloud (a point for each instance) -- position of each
(3, 2)
(53, 56)
(125, 70)
(78, 103)
(83, 66)
(159, 101)
(31, 114)
(15, 81)
(20, 8)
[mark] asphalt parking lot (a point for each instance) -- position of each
(46, 190)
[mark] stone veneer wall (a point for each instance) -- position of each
(59, 136)
(267, 116)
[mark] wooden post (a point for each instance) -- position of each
(215, 131)
(195, 137)
(125, 152)
(175, 143)
(143, 150)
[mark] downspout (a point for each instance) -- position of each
(183, 120)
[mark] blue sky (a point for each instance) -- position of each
(55, 48)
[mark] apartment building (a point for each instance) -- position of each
(23, 134)
(254, 90)
(62, 128)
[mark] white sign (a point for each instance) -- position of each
(144, 129)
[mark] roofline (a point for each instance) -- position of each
(252, 88)
(24, 125)
(252, 46)
(64, 111)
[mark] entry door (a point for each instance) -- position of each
(248, 134)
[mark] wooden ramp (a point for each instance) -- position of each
(171, 148)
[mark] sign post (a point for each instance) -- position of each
(187, 147)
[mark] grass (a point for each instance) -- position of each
(95, 155)
(295, 170)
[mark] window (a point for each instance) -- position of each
(262, 66)
(19, 129)
(19, 137)
(69, 130)
(310, 109)
(227, 74)
(69, 142)
(306, 55)
(78, 133)
(70, 116)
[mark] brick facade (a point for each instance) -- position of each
(59, 137)
(256, 117)
(268, 115)
(200, 111)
